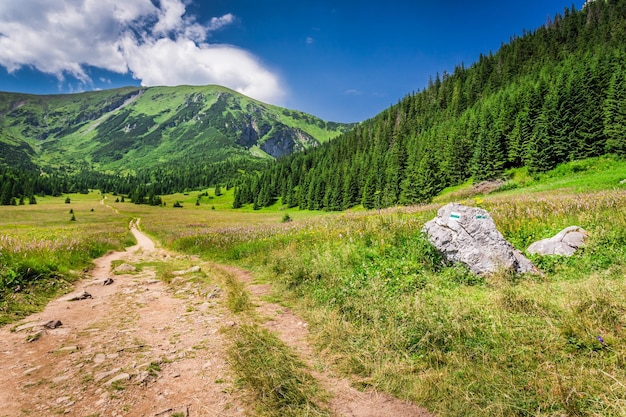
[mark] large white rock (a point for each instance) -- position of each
(468, 235)
(566, 242)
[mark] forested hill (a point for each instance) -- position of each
(157, 139)
(552, 95)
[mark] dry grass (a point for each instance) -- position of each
(384, 309)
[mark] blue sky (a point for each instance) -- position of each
(340, 60)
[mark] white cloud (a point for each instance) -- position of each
(174, 62)
(310, 40)
(158, 45)
(219, 22)
(353, 92)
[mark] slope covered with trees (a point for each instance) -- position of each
(549, 96)
(144, 141)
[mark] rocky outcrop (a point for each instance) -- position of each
(284, 140)
(565, 243)
(468, 235)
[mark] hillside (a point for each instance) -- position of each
(553, 95)
(137, 128)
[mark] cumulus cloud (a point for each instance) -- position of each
(156, 44)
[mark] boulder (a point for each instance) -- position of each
(565, 243)
(468, 235)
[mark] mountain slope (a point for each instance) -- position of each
(136, 128)
(551, 96)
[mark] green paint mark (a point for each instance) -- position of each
(455, 215)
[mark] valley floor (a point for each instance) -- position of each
(144, 347)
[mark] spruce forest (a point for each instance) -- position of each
(553, 95)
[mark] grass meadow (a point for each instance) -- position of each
(42, 250)
(384, 309)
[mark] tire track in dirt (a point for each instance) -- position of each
(346, 401)
(138, 347)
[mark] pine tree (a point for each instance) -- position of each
(237, 198)
(5, 197)
(615, 113)
(368, 198)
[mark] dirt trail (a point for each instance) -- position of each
(346, 401)
(140, 347)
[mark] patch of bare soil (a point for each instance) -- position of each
(136, 347)
(346, 401)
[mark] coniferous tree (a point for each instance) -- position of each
(5, 197)
(368, 198)
(615, 112)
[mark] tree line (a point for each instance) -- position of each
(20, 185)
(546, 97)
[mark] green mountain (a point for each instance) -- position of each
(133, 129)
(553, 95)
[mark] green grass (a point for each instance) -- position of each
(42, 252)
(279, 382)
(583, 176)
(384, 309)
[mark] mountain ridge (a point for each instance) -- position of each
(142, 127)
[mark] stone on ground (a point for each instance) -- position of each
(468, 235)
(125, 268)
(565, 243)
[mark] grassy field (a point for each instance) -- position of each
(384, 309)
(42, 250)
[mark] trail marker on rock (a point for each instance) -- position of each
(468, 235)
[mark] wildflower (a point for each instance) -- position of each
(600, 339)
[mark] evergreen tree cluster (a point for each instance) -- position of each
(550, 96)
(144, 187)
